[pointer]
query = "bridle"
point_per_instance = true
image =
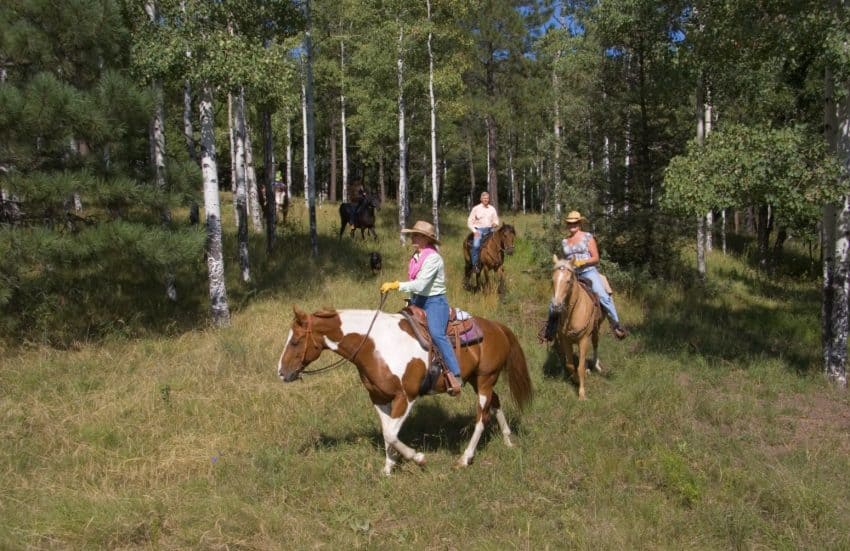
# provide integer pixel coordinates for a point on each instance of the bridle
(343, 359)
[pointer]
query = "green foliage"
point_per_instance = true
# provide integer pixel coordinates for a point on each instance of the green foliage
(739, 166)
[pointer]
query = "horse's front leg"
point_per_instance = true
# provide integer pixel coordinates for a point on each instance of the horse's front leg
(596, 365)
(481, 418)
(582, 365)
(501, 273)
(390, 427)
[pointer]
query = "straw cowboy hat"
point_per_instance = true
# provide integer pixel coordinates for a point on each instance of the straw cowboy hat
(574, 216)
(423, 228)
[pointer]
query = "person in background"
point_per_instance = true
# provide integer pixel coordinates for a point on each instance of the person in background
(580, 247)
(427, 285)
(482, 220)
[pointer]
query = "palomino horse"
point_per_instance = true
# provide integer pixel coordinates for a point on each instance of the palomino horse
(491, 258)
(579, 319)
(392, 366)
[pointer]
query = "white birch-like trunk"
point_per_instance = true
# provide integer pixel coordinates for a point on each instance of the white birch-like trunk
(270, 169)
(251, 187)
(835, 242)
(402, 139)
(309, 131)
(241, 196)
(701, 222)
(215, 259)
(709, 216)
(343, 123)
(382, 183)
(289, 160)
(231, 134)
(435, 176)
(556, 162)
(188, 129)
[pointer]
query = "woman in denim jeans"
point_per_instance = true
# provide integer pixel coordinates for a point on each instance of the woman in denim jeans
(580, 247)
(427, 286)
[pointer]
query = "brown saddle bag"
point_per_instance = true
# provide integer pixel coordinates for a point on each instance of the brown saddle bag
(464, 332)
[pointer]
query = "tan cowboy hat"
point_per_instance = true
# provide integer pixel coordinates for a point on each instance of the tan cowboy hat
(574, 216)
(423, 228)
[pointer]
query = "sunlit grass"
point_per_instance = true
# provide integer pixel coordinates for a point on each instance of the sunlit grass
(711, 427)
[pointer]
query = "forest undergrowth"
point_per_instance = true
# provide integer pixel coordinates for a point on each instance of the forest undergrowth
(711, 427)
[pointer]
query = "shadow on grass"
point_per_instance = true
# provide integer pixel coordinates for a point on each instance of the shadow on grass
(737, 316)
(429, 428)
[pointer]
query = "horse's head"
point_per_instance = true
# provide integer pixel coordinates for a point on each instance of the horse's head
(563, 276)
(373, 200)
(508, 235)
(303, 346)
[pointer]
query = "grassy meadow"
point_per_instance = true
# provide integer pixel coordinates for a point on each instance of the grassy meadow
(712, 427)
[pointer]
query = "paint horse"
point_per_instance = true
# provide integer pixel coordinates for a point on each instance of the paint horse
(392, 366)
(491, 257)
(361, 215)
(578, 322)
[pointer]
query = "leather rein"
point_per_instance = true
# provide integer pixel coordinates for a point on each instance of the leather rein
(343, 359)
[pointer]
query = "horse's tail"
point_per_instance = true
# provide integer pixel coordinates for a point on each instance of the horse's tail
(519, 380)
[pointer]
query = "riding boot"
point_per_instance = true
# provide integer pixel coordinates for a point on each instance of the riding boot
(547, 332)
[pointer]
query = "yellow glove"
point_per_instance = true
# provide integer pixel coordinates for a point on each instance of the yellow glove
(389, 286)
(579, 263)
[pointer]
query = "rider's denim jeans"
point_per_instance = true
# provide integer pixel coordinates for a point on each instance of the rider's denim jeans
(437, 310)
(476, 243)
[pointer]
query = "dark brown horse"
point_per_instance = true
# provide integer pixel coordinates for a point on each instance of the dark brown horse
(361, 215)
(579, 319)
(491, 258)
(392, 366)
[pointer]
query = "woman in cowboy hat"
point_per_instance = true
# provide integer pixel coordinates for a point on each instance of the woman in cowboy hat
(427, 286)
(580, 247)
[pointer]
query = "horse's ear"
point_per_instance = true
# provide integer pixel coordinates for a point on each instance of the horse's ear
(554, 259)
(300, 315)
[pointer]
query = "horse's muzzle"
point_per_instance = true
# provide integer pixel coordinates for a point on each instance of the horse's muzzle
(289, 377)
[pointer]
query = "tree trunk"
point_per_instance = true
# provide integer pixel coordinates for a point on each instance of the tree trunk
(435, 175)
(514, 182)
(188, 130)
(309, 131)
(702, 227)
(471, 173)
(836, 242)
(288, 160)
(231, 132)
(343, 126)
(403, 206)
(269, 172)
(382, 184)
(215, 261)
(332, 183)
(250, 171)
(241, 196)
(556, 157)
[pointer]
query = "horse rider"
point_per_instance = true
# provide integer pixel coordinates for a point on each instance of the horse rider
(359, 203)
(580, 247)
(482, 220)
(427, 286)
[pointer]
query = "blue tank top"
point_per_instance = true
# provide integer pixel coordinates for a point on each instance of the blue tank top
(579, 251)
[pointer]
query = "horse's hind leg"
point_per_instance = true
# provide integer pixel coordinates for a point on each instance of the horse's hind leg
(596, 365)
(390, 426)
(496, 408)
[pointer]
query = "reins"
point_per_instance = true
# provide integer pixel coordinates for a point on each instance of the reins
(354, 355)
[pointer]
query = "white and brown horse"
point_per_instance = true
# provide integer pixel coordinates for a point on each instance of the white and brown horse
(579, 319)
(392, 366)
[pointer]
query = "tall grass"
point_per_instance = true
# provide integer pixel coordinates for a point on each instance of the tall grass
(711, 427)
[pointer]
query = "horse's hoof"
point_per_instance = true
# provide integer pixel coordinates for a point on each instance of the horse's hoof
(463, 463)
(509, 441)
(419, 459)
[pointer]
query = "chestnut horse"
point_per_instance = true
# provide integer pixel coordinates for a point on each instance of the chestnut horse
(491, 258)
(579, 319)
(392, 366)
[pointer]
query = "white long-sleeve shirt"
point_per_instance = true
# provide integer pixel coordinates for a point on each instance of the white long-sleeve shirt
(482, 217)
(430, 281)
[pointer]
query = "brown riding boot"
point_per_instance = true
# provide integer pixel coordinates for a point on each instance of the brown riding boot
(453, 384)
